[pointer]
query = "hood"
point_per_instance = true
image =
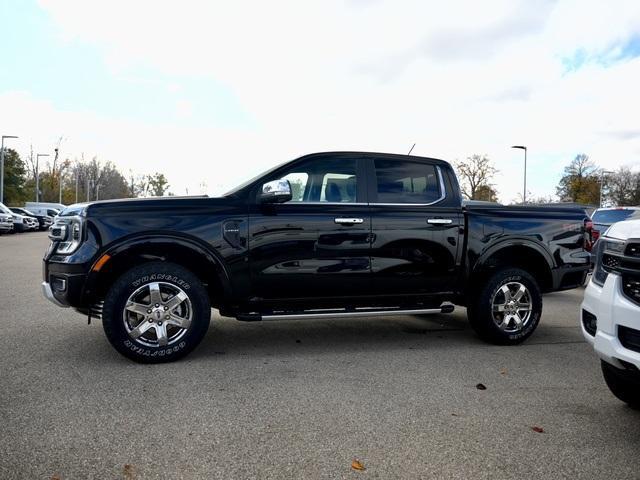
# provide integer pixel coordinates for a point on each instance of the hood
(149, 205)
(624, 230)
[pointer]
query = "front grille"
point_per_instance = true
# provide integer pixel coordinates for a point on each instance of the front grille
(610, 262)
(631, 287)
(590, 322)
(629, 338)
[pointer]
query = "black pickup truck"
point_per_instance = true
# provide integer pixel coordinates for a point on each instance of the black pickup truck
(327, 235)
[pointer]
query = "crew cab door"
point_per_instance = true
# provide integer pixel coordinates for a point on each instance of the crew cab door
(415, 228)
(315, 246)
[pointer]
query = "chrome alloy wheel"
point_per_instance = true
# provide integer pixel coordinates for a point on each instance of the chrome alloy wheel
(512, 307)
(157, 314)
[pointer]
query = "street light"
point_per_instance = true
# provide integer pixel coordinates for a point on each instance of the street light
(38, 155)
(2, 166)
(524, 193)
(60, 183)
(602, 174)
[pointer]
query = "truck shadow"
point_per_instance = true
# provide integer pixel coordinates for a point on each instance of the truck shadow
(295, 337)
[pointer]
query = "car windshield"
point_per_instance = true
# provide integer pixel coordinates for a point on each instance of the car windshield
(4, 209)
(251, 180)
(612, 216)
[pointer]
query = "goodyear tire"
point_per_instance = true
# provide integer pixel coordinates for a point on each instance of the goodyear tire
(506, 308)
(156, 312)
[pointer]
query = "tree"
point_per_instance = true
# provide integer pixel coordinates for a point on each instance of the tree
(486, 193)
(15, 177)
(155, 185)
(623, 187)
(475, 172)
(580, 182)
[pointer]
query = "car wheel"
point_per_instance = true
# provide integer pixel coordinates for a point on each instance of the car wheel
(156, 312)
(622, 384)
(506, 308)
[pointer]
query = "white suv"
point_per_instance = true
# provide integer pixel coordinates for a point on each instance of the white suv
(610, 314)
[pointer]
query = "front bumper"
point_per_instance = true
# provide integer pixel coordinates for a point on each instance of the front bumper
(48, 294)
(612, 310)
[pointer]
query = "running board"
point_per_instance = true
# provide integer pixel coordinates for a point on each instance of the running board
(358, 312)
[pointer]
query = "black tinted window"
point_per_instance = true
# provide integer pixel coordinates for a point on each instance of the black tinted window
(406, 182)
(324, 180)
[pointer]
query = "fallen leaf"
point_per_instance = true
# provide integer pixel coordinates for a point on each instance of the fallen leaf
(538, 429)
(503, 371)
(481, 386)
(55, 477)
(128, 472)
(357, 465)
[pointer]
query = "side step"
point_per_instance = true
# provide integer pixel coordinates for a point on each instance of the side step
(446, 307)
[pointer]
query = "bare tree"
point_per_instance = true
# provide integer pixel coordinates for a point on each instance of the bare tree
(475, 172)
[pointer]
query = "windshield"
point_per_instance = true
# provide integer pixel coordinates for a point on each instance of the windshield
(253, 179)
(5, 209)
(613, 216)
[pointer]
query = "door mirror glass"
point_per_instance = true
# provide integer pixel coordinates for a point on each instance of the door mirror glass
(276, 191)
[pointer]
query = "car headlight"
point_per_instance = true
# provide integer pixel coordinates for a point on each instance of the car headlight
(67, 234)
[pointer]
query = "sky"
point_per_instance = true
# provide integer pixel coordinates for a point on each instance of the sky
(211, 93)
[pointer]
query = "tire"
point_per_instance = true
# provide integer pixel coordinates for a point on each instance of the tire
(514, 323)
(622, 384)
(156, 312)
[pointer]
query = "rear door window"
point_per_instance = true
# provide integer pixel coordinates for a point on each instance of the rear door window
(400, 181)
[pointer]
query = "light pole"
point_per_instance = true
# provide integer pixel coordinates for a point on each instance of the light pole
(602, 174)
(2, 166)
(38, 155)
(60, 184)
(524, 193)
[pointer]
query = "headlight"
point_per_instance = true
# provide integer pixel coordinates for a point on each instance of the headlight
(66, 233)
(599, 275)
(614, 246)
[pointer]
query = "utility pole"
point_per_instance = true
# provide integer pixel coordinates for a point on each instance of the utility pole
(2, 166)
(602, 174)
(524, 193)
(87, 188)
(60, 184)
(38, 155)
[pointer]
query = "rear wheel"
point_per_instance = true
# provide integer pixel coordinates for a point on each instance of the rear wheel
(623, 385)
(156, 312)
(506, 308)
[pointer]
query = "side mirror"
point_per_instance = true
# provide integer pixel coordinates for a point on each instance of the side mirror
(276, 191)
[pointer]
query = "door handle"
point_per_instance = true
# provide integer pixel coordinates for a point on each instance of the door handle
(439, 221)
(348, 221)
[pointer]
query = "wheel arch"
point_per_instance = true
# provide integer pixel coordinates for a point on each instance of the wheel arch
(189, 253)
(525, 254)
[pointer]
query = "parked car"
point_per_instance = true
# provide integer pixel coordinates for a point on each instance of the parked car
(48, 211)
(610, 314)
(41, 207)
(328, 235)
(44, 221)
(21, 223)
(603, 218)
(6, 223)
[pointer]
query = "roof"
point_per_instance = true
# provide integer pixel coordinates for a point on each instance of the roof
(386, 156)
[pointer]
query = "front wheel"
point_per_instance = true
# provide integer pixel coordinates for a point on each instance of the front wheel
(156, 312)
(625, 386)
(506, 308)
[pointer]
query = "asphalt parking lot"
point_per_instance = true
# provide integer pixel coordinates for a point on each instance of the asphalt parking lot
(301, 399)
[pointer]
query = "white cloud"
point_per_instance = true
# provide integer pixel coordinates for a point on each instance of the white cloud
(457, 78)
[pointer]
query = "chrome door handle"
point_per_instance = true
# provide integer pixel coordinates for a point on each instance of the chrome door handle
(439, 221)
(348, 221)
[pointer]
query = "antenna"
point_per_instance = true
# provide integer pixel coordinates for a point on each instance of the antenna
(411, 149)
